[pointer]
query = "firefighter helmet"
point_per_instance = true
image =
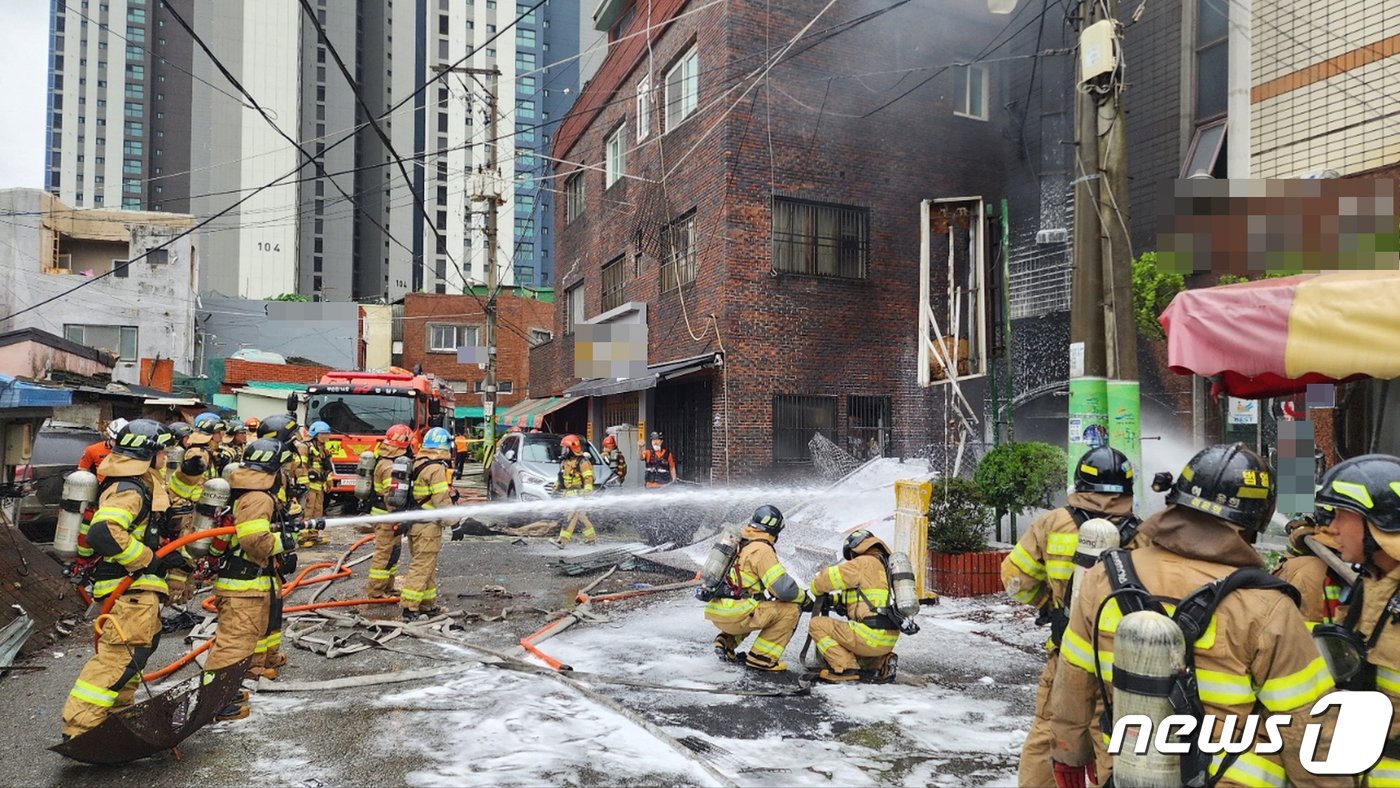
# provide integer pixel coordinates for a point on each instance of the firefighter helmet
(208, 423)
(113, 427)
(318, 428)
(767, 518)
(437, 439)
(572, 443)
(1368, 485)
(281, 427)
(180, 430)
(860, 542)
(141, 439)
(1228, 481)
(264, 455)
(1105, 470)
(398, 436)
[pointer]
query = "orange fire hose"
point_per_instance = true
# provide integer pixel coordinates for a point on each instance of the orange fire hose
(164, 550)
(528, 642)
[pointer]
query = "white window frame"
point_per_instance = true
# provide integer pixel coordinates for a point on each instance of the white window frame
(80, 336)
(459, 332)
(573, 313)
(644, 108)
(615, 157)
(539, 336)
(964, 109)
(689, 83)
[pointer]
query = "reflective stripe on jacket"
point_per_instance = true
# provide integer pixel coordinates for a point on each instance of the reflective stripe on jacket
(575, 475)
(862, 586)
(756, 570)
(246, 571)
(118, 536)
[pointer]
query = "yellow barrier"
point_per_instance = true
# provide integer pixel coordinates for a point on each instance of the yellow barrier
(911, 528)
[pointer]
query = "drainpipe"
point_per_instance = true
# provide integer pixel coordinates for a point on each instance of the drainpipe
(1237, 126)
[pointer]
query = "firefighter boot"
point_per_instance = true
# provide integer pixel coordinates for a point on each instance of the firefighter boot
(833, 677)
(879, 670)
(724, 647)
(236, 710)
(763, 662)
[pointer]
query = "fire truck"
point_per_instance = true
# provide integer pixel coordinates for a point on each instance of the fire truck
(361, 406)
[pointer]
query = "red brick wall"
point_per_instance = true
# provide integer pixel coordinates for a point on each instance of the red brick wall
(516, 317)
(238, 373)
(788, 334)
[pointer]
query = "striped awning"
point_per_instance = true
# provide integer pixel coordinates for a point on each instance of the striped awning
(530, 413)
(1273, 337)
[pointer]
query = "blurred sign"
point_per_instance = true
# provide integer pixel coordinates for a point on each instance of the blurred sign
(1243, 411)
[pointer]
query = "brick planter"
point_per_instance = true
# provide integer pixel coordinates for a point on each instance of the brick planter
(966, 574)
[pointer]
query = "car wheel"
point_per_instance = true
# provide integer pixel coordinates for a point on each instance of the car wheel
(490, 489)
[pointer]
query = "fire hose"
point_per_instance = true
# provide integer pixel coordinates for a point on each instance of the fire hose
(531, 642)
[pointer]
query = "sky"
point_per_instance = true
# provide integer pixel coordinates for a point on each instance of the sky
(24, 49)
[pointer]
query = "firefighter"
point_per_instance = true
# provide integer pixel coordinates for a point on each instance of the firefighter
(232, 450)
(862, 648)
(1039, 570)
(95, 453)
(315, 458)
(1256, 655)
(186, 482)
(247, 580)
(1359, 500)
(575, 479)
(764, 598)
(385, 562)
(121, 533)
(659, 462)
(614, 458)
(282, 427)
(428, 489)
(1318, 584)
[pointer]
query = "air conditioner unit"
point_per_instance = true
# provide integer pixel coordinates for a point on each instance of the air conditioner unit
(1057, 235)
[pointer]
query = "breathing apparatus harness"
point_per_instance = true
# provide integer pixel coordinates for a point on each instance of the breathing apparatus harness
(101, 569)
(234, 566)
(1058, 617)
(1193, 615)
(887, 617)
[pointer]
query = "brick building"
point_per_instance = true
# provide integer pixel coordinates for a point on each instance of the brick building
(785, 203)
(434, 326)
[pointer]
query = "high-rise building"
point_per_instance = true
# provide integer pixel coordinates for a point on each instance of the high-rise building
(179, 137)
(119, 87)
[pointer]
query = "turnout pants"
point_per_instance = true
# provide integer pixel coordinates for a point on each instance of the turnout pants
(242, 625)
(1035, 768)
(845, 649)
(775, 622)
(315, 504)
(384, 565)
(420, 586)
(108, 681)
(575, 517)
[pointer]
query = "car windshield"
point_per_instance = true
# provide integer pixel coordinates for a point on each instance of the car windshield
(545, 448)
(360, 414)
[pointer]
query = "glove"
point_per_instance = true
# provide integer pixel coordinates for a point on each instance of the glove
(289, 542)
(807, 603)
(297, 490)
(1162, 482)
(1067, 776)
(454, 495)
(165, 563)
(1297, 530)
(314, 476)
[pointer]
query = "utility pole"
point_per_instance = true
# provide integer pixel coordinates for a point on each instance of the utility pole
(485, 188)
(1088, 382)
(1124, 394)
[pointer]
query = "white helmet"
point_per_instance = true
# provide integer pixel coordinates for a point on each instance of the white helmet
(113, 427)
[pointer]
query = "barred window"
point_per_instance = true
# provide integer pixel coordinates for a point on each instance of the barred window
(820, 239)
(678, 264)
(614, 277)
(796, 419)
(868, 426)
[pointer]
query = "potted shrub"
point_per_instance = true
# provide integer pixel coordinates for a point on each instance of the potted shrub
(1014, 477)
(959, 562)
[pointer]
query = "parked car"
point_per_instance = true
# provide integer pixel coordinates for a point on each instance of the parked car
(57, 450)
(525, 467)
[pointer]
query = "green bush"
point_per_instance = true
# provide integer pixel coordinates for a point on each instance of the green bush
(957, 517)
(1014, 477)
(1153, 290)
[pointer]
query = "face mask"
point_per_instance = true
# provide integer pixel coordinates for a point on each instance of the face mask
(656, 447)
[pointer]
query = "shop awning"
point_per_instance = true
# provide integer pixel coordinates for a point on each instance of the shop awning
(1273, 337)
(530, 413)
(656, 373)
(468, 412)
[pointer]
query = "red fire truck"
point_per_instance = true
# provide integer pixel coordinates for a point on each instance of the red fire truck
(360, 406)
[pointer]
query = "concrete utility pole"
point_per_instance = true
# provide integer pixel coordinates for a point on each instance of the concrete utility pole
(1124, 395)
(486, 188)
(1088, 384)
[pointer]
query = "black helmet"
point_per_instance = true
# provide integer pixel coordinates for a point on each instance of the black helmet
(141, 439)
(282, 427)
(263, 454)
(180, 430)
(656, 436)
(1229, 482)
(860, 542)
(1368, 485)
(1104, 469)
(767, 518)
